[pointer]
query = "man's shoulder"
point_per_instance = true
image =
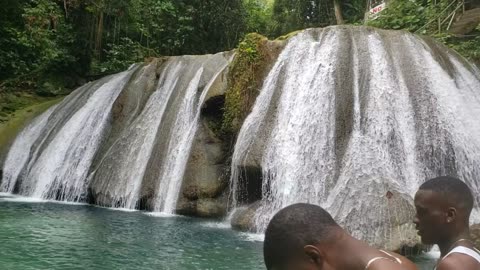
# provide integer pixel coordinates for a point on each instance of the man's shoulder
(458, 261)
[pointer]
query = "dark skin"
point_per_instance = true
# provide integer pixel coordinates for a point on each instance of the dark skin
(343, 253)
(442, 222)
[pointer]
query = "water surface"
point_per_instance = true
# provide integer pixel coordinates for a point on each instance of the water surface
(47, 235)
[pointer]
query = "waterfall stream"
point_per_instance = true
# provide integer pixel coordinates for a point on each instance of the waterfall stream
(114, 142)
(354, 120)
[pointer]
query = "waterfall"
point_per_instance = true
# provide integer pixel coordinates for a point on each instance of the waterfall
(186, 125)
(144, 167)
(122, 169)
(355, 119)
(123, 141)
(61, 168)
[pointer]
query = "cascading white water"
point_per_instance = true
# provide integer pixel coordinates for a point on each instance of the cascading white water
(123, 141)
(123, 167)
(354, 120)
(178, 149)
(144, 167)
(62, 167)
(64, 143)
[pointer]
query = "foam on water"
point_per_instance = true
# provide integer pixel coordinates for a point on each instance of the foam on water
(253, 237)
(162, 215)
(22, 199)
(217, 225)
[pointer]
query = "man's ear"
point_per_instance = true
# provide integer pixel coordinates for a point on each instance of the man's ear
(451, 214)
(314, 254)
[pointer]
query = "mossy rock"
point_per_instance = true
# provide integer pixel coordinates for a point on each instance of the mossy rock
(253, 59)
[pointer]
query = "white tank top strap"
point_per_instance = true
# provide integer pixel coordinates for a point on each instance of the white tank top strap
(392, 258)
(474, 253)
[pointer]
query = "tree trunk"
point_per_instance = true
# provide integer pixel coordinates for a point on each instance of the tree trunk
(99, 35)
(338, 12)
(65, 7)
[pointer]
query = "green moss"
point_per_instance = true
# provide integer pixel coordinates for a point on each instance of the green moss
(12, 102)
(17, 120)
(244, 81)
(288, 36)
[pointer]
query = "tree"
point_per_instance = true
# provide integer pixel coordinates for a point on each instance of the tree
(338, 12)
(291, 15)
(259, 17)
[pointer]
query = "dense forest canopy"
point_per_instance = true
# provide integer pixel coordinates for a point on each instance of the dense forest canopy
(48, 45)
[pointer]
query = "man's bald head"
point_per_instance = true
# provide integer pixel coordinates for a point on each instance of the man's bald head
(293, 228)
(455, 191)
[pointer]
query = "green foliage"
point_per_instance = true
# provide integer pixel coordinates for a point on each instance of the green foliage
(468, 47)
(422, 17)
(12, 102)
(120, 56)
(292, 15)
(407, 15)
(38, 40)
(259, 17)
(97, 36)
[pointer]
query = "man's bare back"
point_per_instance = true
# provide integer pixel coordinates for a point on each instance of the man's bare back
(399, 263)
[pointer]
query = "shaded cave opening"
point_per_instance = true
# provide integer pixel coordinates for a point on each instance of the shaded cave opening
(250, 183)
(212, 113)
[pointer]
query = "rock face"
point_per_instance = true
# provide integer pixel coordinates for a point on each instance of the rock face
(203, 191)
(205, 181)
(475, 233)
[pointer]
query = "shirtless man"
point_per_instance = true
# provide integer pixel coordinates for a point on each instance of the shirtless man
(305, 237)
(443, 208)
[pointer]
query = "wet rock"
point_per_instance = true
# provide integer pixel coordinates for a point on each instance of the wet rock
(207, 208)
(186, 207)
(204, 175)
(242, 219)
(211, 208)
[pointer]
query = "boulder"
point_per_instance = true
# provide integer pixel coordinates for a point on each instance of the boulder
(243, 218)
